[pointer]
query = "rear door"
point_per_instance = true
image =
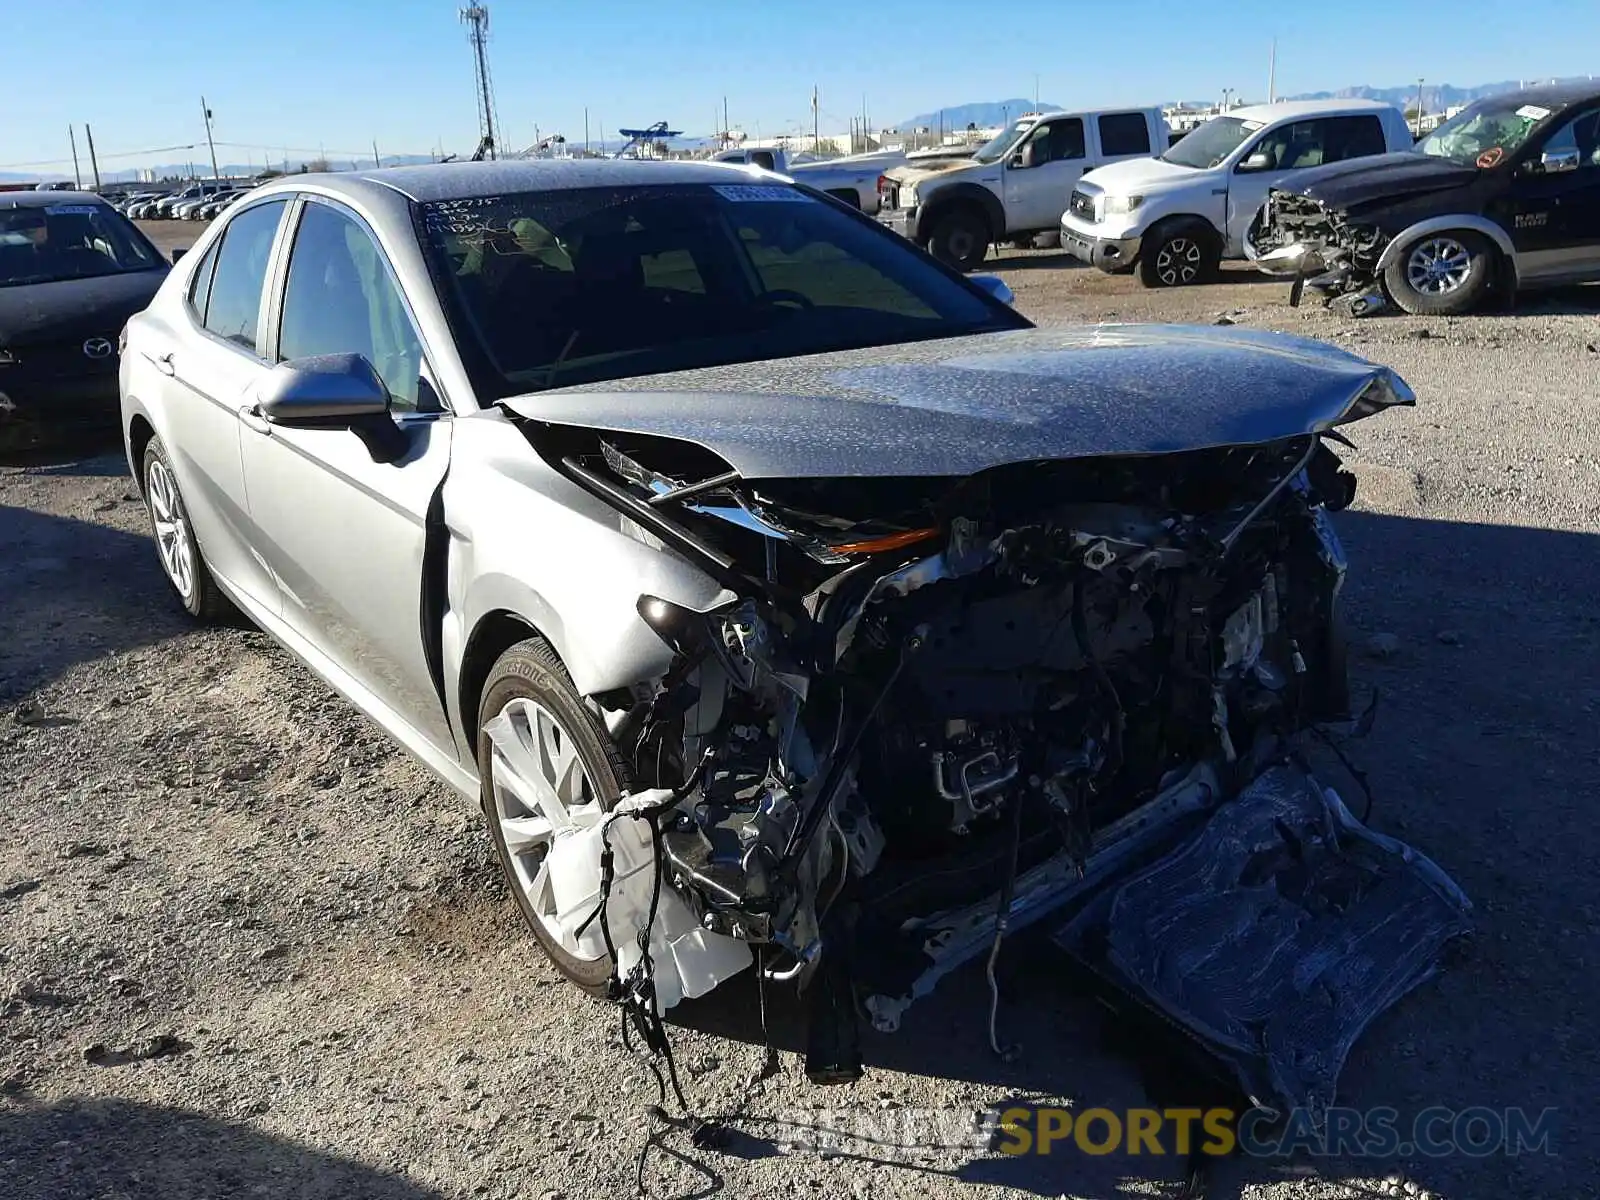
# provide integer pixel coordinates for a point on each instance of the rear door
(1287, 148)
(1036, 194)
(344, 535)
(210, 367)
(1554, 201)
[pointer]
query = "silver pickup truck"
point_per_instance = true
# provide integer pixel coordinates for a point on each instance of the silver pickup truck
(853, 178)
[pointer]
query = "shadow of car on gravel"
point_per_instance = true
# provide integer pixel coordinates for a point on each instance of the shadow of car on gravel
(73, 591)
(107, 1147)
(1482, 756)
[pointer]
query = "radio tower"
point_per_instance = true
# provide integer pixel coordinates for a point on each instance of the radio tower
(476, 17)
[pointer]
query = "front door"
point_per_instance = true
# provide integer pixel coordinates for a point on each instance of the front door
(1554, 204)
(345, 535)
(1041, 172)
(212, 363)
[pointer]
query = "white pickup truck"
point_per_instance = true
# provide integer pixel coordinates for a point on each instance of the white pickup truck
(852, 178)
(1016, 185)
(1175, 217)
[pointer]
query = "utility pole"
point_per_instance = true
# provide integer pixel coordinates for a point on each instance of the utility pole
(209, 142)
(1035, 91)
(816, 136)
(866, 141)
(1419, 106)
(586, 129)
(477, 17)
(726, 128)
(1272, 74)
(376, 161)
(93, 164)
(77, 175)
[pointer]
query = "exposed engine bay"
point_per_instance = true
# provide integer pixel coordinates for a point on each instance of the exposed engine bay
(1322, 249)
(928, 711)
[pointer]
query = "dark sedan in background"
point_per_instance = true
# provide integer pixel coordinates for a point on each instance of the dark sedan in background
(72, 271)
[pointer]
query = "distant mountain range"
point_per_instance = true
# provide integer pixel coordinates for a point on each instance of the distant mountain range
(1434, 98)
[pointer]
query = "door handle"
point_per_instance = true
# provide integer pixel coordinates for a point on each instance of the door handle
(253, 419)
(164, 364)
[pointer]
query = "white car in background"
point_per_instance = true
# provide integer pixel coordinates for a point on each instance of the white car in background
(1175, 217)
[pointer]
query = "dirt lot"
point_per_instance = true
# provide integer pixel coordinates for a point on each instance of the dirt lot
(248, 949)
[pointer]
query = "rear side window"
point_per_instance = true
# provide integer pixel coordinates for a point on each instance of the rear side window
(1124, 133)
(234, 303)
(1352, 137)
(200, 285)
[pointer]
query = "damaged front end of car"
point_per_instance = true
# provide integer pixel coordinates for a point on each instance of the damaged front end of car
(1300, 238)
(928, 711)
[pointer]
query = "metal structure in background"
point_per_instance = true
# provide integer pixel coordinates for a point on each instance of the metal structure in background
(211, 145)
(645, 140)
(476, 17)
(94, 164)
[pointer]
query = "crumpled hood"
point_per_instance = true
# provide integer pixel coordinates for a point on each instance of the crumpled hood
(912, 174)
(69, 308)
(1386, 177)
(1140, 175)
(956, 406)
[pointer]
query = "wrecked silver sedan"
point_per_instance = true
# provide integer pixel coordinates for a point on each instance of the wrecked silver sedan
(788, 602)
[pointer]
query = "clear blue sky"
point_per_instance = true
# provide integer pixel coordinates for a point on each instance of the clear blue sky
(304, 74)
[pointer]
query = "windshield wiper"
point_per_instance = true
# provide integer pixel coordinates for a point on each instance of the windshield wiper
(550, 371)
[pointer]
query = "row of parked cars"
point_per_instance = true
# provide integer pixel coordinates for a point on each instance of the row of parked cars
(1335, 195)
(197, 202)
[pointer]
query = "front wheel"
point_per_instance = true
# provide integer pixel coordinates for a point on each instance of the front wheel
(1178, 259)
(544, 762)
(960, 240)
(1441, 274)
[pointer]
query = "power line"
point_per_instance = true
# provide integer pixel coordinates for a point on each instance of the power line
(54, 162)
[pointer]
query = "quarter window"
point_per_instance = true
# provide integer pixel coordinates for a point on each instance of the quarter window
(200, 285)
(341, 299)
(1124, 133)
(233, 304)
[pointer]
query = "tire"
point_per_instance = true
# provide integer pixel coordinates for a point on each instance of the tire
(530, 673)
(1442, 274)
(960, 239)
(1179, 257)
(177, 549)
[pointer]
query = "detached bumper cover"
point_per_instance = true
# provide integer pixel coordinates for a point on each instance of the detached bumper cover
(1276, 935)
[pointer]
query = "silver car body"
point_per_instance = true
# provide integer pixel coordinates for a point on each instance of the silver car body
(400, 582)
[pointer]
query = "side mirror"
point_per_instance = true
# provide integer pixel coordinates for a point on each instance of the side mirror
(178, 252)
(1256, 162)
(327, 390)
(1558, 162)
(995, 286)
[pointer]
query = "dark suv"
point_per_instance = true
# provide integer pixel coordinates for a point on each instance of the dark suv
(1504, 195)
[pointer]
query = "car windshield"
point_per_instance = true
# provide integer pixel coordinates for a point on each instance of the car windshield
(545, 289)
(1208, 144)
(1486, 132)
(994, 149)
(69, 241)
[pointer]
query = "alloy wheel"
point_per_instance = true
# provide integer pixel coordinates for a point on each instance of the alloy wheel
(173, 542)
(1178, 261)
(540, 787)
(1438, 266)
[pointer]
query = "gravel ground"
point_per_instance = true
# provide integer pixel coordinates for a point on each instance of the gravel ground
(247, 948)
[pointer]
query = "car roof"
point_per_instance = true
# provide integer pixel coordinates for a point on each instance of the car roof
(48, 199)
(1305, 108)
(1552, 95)
(430, 182)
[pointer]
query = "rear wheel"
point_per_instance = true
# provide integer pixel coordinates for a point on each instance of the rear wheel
(176, 545)
(1441, 274)
(1178, 258)
(960, 239)
(544, 761)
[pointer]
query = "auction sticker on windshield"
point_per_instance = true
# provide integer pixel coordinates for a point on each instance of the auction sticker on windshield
(60, 210)
(745, 192)
(1533, 112)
